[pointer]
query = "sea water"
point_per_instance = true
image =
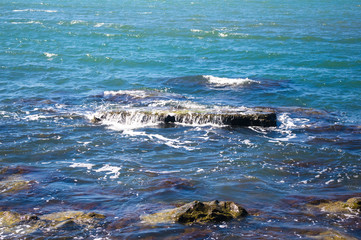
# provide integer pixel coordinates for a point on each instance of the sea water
(62, 63)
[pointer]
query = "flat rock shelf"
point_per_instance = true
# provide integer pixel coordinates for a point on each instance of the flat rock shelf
(240, 119)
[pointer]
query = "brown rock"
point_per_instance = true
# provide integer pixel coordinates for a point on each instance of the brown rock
(198, 212)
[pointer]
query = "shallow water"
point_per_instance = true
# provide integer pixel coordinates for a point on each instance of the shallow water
(62, 64)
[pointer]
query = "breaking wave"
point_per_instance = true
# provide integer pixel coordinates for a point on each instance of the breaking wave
(222, 82)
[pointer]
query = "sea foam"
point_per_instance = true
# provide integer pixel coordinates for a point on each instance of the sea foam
(35, 10)
(222, 82)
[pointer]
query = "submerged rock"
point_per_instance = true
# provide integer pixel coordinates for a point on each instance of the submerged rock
(169, 183)
(9, 218)
(198, 212)
(11, 222)
(16, 223)
(242, 119)
(331, 235)
(77, 217)
(352, 204)
(13, 184)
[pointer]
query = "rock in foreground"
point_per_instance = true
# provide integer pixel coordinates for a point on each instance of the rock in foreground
(15, 223)
(198, 212)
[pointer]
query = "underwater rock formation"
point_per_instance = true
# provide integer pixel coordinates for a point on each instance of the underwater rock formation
(11, 222)
(76, 217)
(352, 204)
(13, 183)
(330, 235)
(198, 212)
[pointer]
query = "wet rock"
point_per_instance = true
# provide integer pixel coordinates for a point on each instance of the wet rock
(11, 222)
(8, 218)
(78, 217)
(242, 119)
(13, 184)
(331, 235)
(198, 212)
(352, 204)
(20, 224)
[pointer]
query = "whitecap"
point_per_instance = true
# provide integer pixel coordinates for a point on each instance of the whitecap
(196, 30)
(99, 25)
(28, 22)
(50, 55)
(84, 165)
(35, 10)
(222, 82)
(132, 93)
(36, 117)
(330, 181)
(76, 22)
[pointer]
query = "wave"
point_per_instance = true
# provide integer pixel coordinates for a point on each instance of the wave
(131, 93)
(35, 10)
(28, 22)
(50, 55)
(222, 82)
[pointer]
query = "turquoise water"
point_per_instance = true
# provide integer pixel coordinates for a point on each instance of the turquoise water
(64, 63)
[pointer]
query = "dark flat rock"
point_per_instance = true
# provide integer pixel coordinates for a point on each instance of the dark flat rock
(240, 119)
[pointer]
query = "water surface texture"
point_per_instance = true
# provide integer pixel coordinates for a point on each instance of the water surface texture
(65, 63)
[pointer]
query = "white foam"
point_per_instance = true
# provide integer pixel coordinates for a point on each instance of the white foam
(178, 105)
(248, 142)
(330, 181)
(99, 25)
(196, 30)
(50, 55)
(162, 172)
(35, 117)
(174, 143)
(110, 170)
(133, 93)
(76, 22)
(35, 10)
(84, 165)
(291, 123)
(28, 22)
(219, 81)
(288, 124)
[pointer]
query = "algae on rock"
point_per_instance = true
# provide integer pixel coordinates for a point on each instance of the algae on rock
(13, 183)
(352, 204)
(11, 222)
(331, 235)
(16, 223)
(198, 212)
(78, 217)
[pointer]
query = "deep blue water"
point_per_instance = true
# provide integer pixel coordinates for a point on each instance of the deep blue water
(62, 63)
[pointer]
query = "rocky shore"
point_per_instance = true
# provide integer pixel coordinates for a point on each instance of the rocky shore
(192, 214)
